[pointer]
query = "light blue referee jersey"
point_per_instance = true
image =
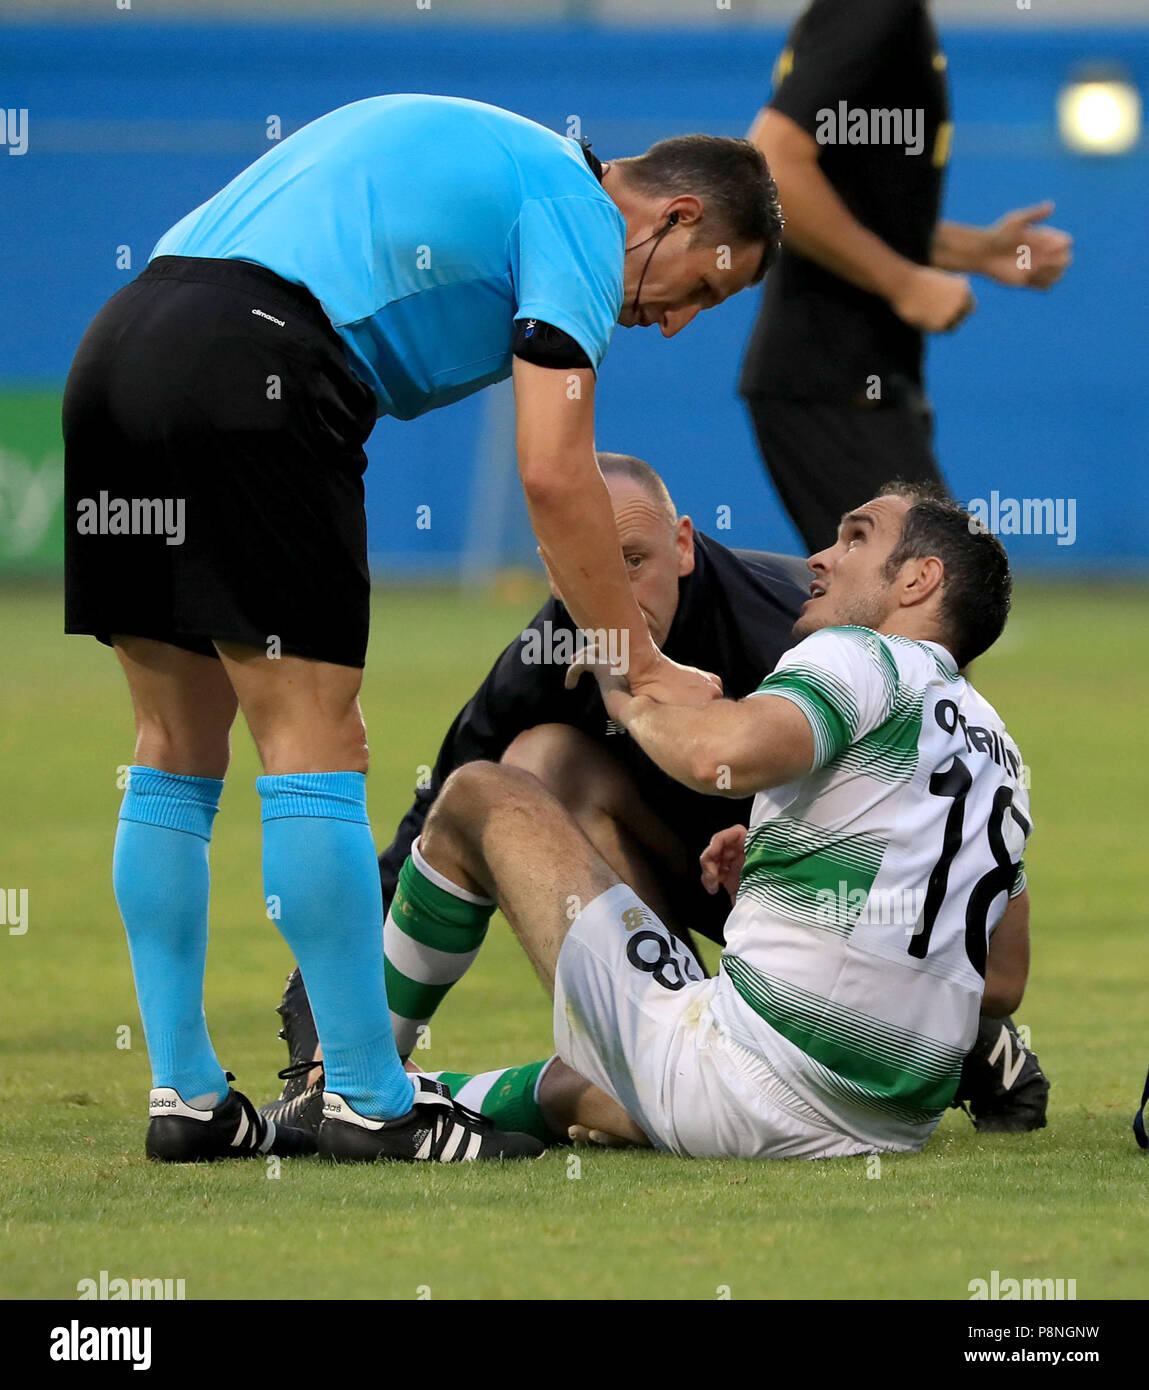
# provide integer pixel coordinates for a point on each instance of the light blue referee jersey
(425, 226)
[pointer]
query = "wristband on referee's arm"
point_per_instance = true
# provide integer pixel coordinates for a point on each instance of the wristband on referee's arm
(547, 346)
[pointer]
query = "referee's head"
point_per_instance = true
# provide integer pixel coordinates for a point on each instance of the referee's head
(703, 222)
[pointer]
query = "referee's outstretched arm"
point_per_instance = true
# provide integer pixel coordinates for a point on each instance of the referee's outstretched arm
(570, 513)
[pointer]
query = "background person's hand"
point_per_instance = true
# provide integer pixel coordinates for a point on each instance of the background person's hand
(722, 860)
(1049, 252)
(934, 301)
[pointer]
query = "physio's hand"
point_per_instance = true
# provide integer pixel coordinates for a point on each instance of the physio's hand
(932, 300)
(722, 860)
(1022, 254)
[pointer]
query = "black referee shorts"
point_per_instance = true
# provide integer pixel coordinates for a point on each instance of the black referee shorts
(826, 458)
(213, 458)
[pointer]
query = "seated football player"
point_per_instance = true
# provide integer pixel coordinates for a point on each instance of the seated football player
(725, 611)
(881, 895)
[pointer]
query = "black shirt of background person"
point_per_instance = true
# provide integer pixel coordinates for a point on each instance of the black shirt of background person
(817, 337)
(735, 613)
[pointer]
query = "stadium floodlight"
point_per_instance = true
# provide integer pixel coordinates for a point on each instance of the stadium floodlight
(1099, 112)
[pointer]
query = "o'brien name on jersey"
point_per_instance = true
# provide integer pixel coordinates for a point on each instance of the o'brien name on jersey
(981, 740)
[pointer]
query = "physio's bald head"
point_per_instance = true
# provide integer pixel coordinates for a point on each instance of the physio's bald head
(627, 466)
(657, 544)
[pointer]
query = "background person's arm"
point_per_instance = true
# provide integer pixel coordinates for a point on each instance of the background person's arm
(1014, 251)
(821, 227)
(573, 522)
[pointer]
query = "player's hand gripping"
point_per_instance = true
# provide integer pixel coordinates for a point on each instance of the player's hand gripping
(722, 860)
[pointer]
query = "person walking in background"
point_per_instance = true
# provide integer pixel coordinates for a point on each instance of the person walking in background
(857, 135)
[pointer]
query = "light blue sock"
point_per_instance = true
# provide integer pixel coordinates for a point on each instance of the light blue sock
(160, 875)
(321, 877)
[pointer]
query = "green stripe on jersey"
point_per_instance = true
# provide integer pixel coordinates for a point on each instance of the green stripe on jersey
(806, 874)
(894, 1067)
(827, 703)
(890, 752)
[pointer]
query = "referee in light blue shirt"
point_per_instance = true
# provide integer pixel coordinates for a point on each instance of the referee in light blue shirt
(390, 258)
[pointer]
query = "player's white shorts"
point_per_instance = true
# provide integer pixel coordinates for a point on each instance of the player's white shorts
(633, 1014)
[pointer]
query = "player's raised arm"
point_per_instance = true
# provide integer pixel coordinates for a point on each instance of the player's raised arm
(730, 748)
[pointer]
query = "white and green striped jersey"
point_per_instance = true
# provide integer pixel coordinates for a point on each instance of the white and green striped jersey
(855, 953)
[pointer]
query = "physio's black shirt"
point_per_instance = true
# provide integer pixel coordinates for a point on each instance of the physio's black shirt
(735, 613)
(818, 337)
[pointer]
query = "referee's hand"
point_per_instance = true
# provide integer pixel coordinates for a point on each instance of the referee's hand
(671, 684)
(665, 681)
(934, 301)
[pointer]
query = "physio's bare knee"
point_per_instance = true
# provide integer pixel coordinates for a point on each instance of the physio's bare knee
(575, 769)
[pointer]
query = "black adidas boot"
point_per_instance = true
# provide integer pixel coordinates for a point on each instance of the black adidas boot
(177, 1133)
(300, 1104)
(437, 1129)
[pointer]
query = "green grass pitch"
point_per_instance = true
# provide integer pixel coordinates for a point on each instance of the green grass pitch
(78, 1197)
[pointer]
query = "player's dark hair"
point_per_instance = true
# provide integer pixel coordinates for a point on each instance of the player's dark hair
(640, 472)
(976, 587)
(730, 176)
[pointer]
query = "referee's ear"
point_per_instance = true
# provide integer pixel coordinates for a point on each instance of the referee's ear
(684, 543)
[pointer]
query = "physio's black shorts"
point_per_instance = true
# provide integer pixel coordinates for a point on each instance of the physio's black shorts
(213, 447)
(826, 458)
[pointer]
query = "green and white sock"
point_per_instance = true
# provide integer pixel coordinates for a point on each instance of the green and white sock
(432, 934)
(509, 1097)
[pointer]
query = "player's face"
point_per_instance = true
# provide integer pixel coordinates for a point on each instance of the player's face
(656, 554)
(849, 585)
(683, 279)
